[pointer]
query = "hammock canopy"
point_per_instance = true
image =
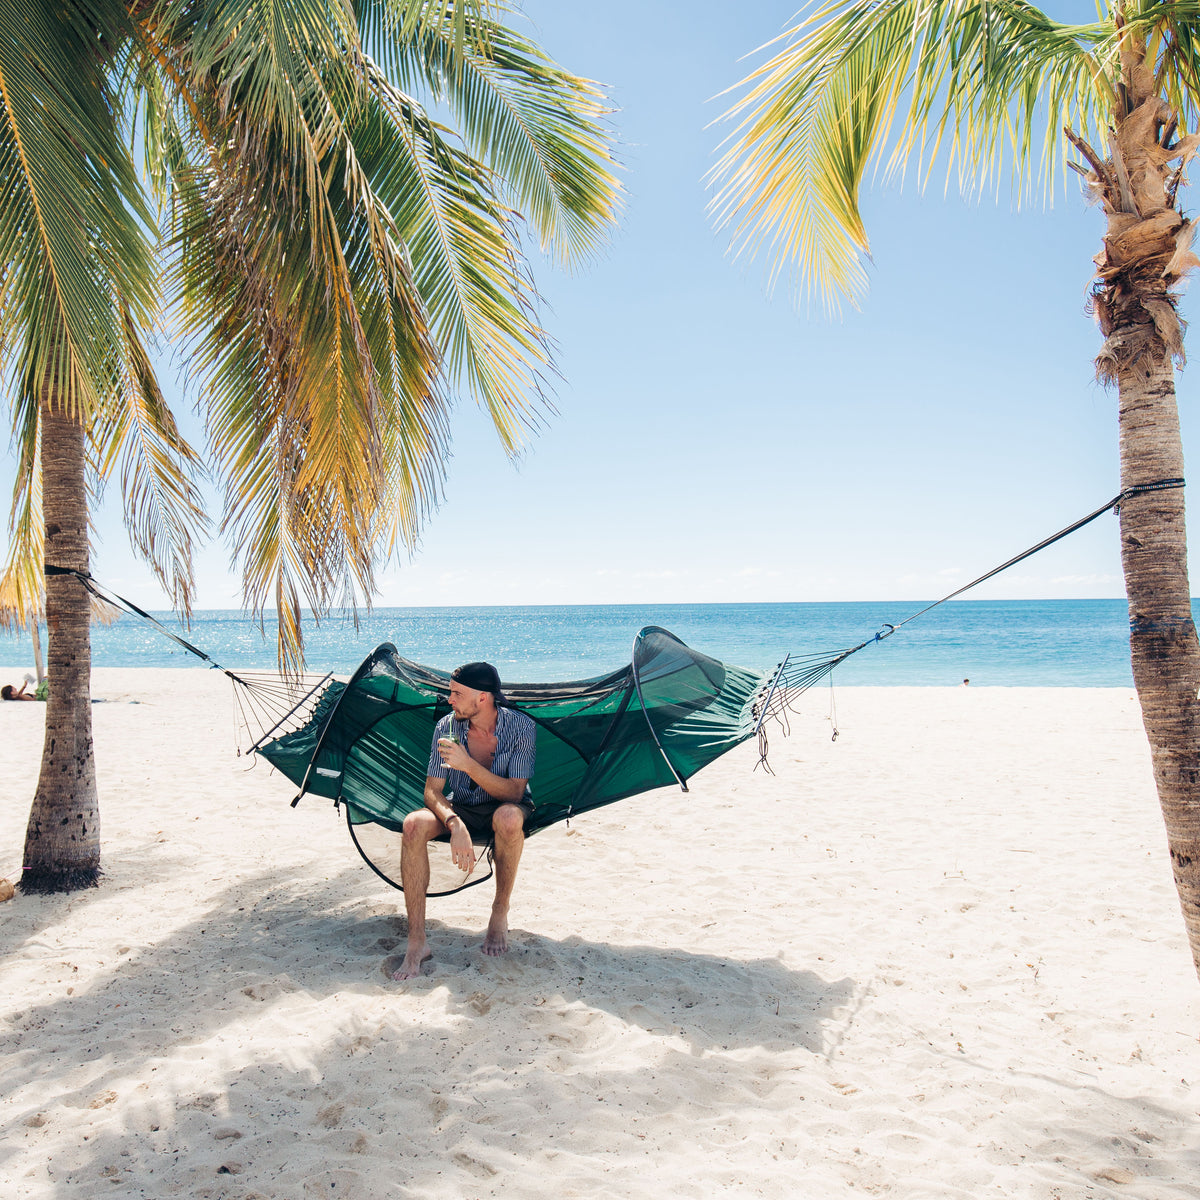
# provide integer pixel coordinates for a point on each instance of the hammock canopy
(652, 723)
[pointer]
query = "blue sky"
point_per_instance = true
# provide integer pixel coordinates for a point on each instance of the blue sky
(714, 443)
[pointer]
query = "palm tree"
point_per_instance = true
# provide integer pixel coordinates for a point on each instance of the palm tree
(336, 260)
(996, 85)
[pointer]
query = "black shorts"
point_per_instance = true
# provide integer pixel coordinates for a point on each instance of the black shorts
(478, 817)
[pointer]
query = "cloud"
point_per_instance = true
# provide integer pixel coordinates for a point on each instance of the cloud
(757, 573)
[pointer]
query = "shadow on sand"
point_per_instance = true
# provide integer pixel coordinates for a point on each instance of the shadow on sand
(566, 1058)
(547, 1010)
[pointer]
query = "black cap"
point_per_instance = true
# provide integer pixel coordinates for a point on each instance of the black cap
(481, 676)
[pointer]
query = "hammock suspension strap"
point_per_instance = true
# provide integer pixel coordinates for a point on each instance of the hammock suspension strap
(265, 700)
(798, 672)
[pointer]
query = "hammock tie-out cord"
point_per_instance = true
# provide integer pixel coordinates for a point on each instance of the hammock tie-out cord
(798, 672)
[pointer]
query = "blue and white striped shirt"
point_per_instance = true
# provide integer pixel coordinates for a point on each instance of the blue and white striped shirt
(514, 757)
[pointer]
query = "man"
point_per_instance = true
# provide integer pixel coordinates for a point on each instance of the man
(480, 765)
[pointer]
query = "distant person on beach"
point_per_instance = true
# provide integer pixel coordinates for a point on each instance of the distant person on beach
(966, 683)
(477, 782)
(8, 692)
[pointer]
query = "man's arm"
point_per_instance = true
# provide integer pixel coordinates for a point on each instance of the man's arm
(461, 850)
(455, 757)
(435, 799)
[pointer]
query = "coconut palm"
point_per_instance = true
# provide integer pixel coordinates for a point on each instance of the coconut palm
(338, 262)
(995, 85)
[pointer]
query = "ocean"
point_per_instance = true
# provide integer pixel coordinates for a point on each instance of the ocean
(1007, 643)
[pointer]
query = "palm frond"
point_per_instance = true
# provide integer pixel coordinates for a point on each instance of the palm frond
(22, 585)
(393, 24)
(310, 363)
(341, 261)
(987, 83)
(1172, 33)
(463, 250)
(73, 223)
(164, 511)
(540, 130)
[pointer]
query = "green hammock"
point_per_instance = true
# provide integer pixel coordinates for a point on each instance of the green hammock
(366, 743)
(652, 723)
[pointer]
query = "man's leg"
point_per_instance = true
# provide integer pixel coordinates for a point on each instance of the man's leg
(508, 824)
(420, 828)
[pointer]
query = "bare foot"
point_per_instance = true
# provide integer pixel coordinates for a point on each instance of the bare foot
(414, 960)
(495, 941)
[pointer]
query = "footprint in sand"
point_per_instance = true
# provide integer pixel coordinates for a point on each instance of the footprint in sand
(330, 1116)
(394, 962)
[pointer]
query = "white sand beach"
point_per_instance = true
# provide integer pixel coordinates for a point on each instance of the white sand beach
(939, 957)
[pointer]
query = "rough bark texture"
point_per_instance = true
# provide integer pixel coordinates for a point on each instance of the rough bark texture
(62, 842)
(1146, 252)
(1162, 637)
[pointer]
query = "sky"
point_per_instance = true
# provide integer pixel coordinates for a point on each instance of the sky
(715, 443)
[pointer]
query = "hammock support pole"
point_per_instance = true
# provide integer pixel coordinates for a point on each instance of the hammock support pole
(637, 683)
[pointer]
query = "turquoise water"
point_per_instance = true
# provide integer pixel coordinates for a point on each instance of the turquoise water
(1033, 643)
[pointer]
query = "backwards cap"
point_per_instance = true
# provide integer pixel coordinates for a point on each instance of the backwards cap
(482, 677)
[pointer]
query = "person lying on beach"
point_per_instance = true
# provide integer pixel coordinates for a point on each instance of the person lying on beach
(480, 765)
(8, 692)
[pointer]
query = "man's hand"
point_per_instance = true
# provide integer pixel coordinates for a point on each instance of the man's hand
(462, 852)
(454, 755)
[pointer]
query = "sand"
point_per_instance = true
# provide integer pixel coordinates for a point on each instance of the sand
(939, 957)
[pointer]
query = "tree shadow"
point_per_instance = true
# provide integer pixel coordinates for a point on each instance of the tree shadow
(292, 1066)
(1103, 1138)
(707, 1001)
(547, 1010)
(266, 935)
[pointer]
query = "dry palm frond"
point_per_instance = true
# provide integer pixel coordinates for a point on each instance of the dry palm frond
(22, 589)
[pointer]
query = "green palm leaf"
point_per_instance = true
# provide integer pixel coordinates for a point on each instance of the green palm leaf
(73, 226)
(314, 356)
(339, 263)
(136, 432)
(460, 240)
(539, 128)
(987, 84)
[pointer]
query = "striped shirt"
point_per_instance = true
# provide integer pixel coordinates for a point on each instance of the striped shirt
(513, 759)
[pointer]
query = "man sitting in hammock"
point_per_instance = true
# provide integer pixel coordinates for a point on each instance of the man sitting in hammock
(480, 765)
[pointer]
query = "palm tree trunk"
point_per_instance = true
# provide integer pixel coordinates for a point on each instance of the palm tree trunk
(62, 842)
(35, 635)
(1144, 257)
(1162, 636)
